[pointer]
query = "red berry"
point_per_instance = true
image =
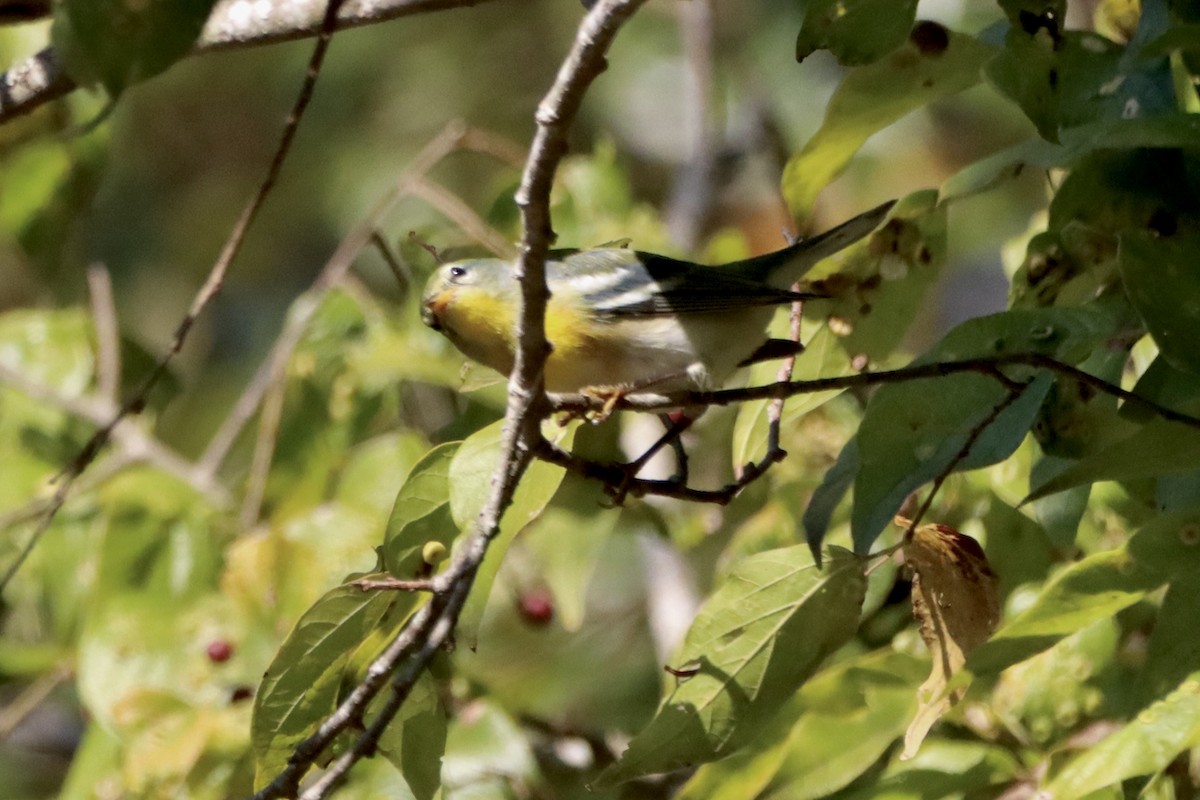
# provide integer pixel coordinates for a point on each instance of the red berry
(219, 651)
(536, 606)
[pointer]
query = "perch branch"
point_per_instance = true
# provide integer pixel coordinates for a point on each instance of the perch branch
(430, 628)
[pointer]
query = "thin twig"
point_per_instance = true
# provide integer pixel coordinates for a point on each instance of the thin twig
(304, 309)
(212, 285)
(430, 628)
(961, 455)
(463, 216)
(399, 268)
(989, 366)
(396, 585)
(499, 147)
(264, 445)
(32, 696)
(619, 483)
(108, 341)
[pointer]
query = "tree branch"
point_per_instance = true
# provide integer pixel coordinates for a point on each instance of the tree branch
(430, 628)
(232, 24)
(989, 366)
(619, 482)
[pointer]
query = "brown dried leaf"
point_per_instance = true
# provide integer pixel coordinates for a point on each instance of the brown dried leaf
(956, 598)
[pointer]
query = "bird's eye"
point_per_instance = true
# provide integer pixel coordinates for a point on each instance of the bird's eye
(458, 273)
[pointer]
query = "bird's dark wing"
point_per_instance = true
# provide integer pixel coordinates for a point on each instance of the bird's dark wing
(623, 283)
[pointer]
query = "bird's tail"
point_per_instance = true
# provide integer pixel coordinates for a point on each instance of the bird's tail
(784, 267)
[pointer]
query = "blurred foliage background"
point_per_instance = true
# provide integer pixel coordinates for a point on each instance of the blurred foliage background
(135, 637)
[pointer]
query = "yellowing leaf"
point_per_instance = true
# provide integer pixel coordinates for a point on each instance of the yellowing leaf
(956, 598)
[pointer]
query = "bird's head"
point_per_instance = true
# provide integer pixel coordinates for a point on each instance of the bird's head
(473, 303)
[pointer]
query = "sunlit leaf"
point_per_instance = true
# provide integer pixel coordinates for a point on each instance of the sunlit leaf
(871, 98)
(1147, 744)
(416, 739)
(1094, 588)
(470, 478)
(755, 641)
(421, 513)
(300, 688)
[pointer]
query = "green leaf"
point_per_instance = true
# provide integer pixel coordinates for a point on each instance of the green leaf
(470, 478)
(1144, 746)
(1162, 281)
(415, 740)
(1174, 650)
(755, 641)
(1073, 78)
(825, 736)
(300, 688)
(1017, 547)
(1059, 514)
(855, 31)
(119, 43)
(1158, 448)
(421, 513)
(826, 497)
(1163, 131)
(869, 99)
(865, 705)
(943, 769)
(1094, 588)
(912, 431)
(1026, 70)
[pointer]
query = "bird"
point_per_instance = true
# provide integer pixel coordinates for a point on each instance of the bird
(620, 320)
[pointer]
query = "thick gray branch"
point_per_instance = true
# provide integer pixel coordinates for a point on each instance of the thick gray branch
(234, 23)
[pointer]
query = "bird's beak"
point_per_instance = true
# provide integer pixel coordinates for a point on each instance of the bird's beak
(431, 308)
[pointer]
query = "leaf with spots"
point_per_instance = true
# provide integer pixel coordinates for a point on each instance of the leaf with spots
(872, 97)
(857, 31)
(956, 599)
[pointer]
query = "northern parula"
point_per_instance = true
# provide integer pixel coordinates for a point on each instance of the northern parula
(625, 320)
